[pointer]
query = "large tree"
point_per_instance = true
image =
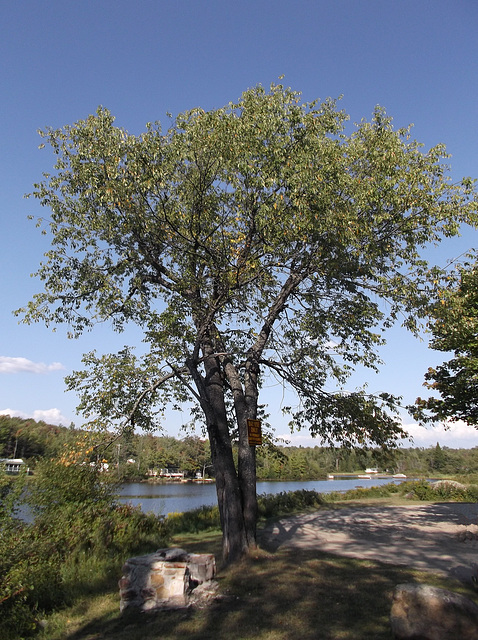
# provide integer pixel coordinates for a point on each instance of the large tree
(454, 328)
(257, 239)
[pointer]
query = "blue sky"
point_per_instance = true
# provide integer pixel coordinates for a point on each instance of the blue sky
(142, 59)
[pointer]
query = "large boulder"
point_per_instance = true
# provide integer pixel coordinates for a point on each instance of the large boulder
(423, 612)
(449, 485)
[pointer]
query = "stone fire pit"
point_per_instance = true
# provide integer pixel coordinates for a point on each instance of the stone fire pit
(165, 579)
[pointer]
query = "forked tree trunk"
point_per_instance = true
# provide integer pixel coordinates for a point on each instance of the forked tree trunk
(234, 539)
(211, 391)
(245, 405)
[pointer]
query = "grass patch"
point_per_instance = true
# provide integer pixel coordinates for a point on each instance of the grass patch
(287, 595)
(201, 519)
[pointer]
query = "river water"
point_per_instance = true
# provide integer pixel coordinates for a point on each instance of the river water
(171, 497)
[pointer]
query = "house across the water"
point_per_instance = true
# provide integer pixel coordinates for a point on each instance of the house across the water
(169, 474)
(12, 465)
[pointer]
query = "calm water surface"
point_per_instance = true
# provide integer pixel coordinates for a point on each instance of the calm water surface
(162, 499)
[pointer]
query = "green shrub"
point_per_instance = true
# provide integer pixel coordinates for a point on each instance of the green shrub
(80, 535)
(278, 504)
(472, 492)
(443, 490)
(201, 519)
(418, 490)
(413, 490)
(21, 566)
(130, 529)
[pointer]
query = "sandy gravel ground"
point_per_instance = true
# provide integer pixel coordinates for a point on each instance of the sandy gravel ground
(439, 537)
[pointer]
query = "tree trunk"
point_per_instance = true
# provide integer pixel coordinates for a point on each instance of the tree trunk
(211, 393)
(234, 540)
(247, 483)
(247, 454)
(245, 405)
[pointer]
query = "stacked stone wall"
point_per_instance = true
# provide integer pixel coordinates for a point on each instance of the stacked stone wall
(164, 579)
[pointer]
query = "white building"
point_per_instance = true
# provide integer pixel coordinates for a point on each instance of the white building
(12, 465)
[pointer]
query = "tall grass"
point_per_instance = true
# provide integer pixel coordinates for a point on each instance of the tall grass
(412, 490)
(269, 505)
(284, 503)
(201, 519)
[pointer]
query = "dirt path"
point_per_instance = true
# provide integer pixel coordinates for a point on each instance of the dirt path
(434, 537)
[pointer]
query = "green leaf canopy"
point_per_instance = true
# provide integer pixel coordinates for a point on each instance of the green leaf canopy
(455, 329)
(262, 229)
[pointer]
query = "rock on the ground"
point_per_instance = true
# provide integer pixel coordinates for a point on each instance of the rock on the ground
(423, 612)
(448, 484)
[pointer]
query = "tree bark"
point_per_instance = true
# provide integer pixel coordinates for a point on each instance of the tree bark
(245, 406)
(234, 540)
(247, 457)
(211, 393)
(247, 482)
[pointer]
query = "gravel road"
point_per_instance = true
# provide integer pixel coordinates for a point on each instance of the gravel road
(442, 538)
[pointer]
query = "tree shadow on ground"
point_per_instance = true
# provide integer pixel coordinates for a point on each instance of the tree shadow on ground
(291, 594)
(424, 536)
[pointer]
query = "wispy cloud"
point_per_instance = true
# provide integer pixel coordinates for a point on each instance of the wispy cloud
(301, 439)
(22, 365)
(454, 434)
(50, 416)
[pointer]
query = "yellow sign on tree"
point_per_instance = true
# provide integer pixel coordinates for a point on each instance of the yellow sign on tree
(254, 432)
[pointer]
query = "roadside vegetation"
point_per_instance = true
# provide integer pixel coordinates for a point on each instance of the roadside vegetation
(76, 544)
(443, 490)
(59, 575)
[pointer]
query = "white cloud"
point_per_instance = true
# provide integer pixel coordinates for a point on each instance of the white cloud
(21, 365)
(50, 416)
(14, 413)
(299, 439)
(457, 435)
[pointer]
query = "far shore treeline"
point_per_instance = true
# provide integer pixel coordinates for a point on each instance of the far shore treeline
(133, 456)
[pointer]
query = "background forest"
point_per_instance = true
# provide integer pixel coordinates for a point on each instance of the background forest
(133, 455)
